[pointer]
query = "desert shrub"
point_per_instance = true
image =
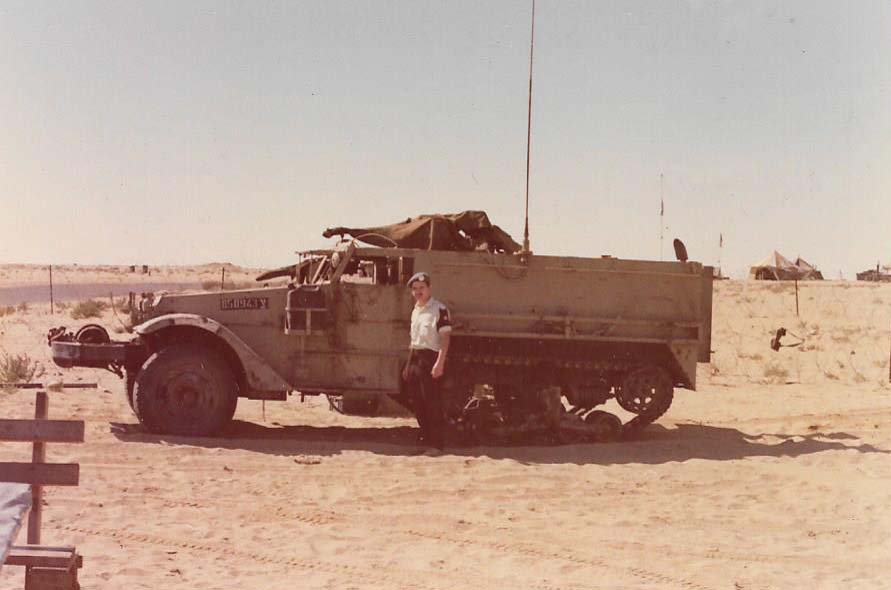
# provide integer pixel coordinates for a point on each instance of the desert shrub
(90, 308)
(840, 338)
(19, 368)
(227, 286)
(775, 373)
(22, 307)
(6, 310)
(122, 304)
(241, 285)
(62, 305)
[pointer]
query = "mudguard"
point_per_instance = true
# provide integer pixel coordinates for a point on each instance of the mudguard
(260, 376)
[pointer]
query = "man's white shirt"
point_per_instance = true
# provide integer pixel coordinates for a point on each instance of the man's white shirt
(428, 323)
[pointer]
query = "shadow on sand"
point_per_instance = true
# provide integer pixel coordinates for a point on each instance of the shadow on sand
(655, 445)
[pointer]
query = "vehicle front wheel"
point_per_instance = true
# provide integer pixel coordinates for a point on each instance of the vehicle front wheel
(185, 389)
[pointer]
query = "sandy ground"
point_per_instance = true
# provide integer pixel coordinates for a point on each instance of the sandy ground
(773, 475)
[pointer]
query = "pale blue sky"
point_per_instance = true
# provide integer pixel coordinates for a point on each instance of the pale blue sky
(189, 132)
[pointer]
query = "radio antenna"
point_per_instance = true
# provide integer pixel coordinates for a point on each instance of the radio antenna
(526, 249)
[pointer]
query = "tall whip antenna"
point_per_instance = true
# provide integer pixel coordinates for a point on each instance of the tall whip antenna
(661, 213)
(529, 133)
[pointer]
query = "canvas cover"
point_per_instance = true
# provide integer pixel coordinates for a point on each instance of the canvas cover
(468, 230)
(15, 501)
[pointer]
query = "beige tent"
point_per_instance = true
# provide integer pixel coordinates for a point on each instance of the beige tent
(777, 267)
(808, 271)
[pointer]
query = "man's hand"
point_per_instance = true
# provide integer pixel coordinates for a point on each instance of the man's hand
(405, 372)
(438, 370)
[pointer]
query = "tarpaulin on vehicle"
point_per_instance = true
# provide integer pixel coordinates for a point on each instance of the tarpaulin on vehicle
(468, 230)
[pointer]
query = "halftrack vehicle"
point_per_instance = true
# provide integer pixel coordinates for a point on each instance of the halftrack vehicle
(538, 342)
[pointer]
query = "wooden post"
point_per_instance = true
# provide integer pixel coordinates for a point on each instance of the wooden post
(38, 455)
(51, 288)
(796, 297)
(223, 280)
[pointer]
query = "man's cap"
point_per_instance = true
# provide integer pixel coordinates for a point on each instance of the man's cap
(419, 276)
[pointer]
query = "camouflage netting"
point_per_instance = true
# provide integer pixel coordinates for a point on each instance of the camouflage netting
(469, 230)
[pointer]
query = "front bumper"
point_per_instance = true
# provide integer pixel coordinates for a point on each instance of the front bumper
(78, 354)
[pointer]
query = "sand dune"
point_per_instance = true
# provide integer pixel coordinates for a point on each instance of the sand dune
(773, 475)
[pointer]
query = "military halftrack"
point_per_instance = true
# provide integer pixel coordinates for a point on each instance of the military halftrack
(539, 343)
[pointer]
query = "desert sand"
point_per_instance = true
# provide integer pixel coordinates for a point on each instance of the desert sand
(774, 474)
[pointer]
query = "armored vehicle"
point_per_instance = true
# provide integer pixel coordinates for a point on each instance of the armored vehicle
(538, 342)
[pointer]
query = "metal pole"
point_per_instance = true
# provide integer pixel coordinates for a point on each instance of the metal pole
(529, 133)
(661, 214)
(720, 252)
(51, 288)
(38, 455)
(223, 280)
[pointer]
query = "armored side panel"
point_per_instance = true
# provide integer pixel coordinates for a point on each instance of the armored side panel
(600, 314)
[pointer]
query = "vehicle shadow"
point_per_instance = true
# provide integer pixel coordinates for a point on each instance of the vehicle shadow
(655, 445)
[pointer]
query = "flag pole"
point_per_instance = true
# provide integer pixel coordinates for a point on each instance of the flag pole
(720, 253)
(661, 214)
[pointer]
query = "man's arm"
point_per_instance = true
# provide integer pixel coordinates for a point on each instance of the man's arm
(439, 366)
(407, 365)
(444, 327)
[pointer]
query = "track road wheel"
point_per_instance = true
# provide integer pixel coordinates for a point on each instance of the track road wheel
(185, 389)
(647, 392)
(607, 427)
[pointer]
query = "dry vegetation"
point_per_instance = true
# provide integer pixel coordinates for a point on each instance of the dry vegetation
(841, 332)
(91, 308)
(18, 368)
(772, 475)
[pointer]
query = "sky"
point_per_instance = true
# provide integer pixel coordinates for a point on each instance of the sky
(193, 132)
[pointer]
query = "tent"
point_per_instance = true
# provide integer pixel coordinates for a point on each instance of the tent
(808, 271)
(776, 267)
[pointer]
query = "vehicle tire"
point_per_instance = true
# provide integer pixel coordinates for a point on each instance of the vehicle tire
(647, 392)
(130, 383)
(92, 334)
(185, 389)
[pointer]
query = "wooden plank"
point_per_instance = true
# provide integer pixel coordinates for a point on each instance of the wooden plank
(70, 431)
(39, 556)
(49, 386)
(50, 474)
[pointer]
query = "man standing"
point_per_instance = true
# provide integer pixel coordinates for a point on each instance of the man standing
(431, 327)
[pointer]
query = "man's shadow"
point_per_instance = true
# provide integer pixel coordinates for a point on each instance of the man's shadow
(656, 444)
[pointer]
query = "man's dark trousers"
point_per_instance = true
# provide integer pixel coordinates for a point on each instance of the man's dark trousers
(426, 395)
